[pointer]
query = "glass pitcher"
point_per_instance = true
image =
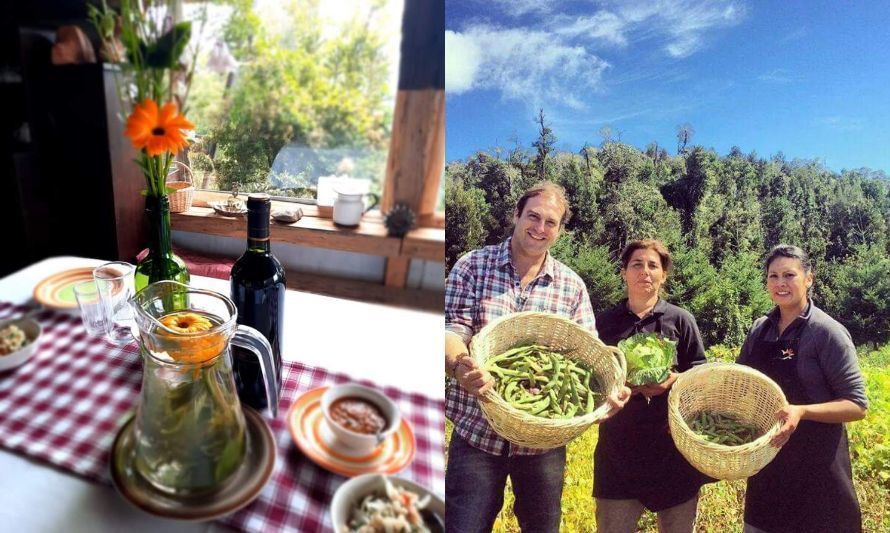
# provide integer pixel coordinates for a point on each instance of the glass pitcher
(189, 428)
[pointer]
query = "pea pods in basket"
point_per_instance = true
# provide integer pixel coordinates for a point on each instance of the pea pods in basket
(544, 383)
(722, 429)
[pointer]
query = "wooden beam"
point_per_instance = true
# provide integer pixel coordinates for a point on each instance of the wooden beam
(425, 243)
(369, 237)
(413, 147)
(434, 166)
(397, 272)
(365, 291)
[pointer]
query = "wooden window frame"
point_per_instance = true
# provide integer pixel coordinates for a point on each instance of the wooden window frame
(417, 150)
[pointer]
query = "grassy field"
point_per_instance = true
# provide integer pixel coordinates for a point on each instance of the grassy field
(720, 507)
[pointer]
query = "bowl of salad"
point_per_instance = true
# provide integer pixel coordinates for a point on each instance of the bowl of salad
(18, 339)
(373, 503)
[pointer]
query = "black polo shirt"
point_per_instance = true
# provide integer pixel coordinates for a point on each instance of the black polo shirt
(635, 456)
(670, 321)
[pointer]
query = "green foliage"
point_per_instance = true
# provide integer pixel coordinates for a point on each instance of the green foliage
(720, 353)
(620, 162)
(634, 210)
(303, 89)
(874, 357)
(726, 309)
(857, 291)
(582, 184)
(200, 162)
(464, 219)
(596, 268)
(241, 28)
(718, 216)
(693, 274)
(870, 444)
(856, 220)
(700, 178)
(494, 178)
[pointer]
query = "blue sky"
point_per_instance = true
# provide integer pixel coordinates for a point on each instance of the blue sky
(808, 78)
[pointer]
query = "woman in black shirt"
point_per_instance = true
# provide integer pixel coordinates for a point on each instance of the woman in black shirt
(636, 464)
(808, 487)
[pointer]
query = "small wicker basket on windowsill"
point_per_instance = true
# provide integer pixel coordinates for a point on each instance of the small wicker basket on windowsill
(181, 198)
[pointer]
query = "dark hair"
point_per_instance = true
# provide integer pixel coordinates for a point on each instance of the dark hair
(667, 263)
(791, 252)
(546, 187)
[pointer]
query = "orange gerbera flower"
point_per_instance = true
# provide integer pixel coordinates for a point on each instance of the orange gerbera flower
(157, 132)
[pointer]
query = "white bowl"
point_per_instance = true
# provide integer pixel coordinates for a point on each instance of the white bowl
(351, 493)
(32, 331)
(360, 442)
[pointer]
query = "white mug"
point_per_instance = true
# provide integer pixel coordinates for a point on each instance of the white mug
(350, 206)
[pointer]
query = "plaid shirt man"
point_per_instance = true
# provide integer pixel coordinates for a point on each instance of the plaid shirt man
(484, 285)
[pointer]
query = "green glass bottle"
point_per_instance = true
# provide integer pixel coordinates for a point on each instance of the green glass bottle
(160, 263)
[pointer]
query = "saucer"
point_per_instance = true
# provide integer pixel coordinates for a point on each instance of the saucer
(313, 436)
(241, 489)
(57, 291)
(225, 210)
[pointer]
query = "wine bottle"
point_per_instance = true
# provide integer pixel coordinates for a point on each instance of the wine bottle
(258, 287)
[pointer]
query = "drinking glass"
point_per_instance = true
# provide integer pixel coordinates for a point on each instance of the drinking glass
(95, 309)
(119, 275)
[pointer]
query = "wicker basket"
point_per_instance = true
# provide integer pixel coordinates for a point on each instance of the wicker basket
(559, 334)
(181, 198)
(728, 389)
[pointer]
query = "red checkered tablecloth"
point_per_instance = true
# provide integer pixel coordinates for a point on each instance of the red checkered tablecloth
(64, 406)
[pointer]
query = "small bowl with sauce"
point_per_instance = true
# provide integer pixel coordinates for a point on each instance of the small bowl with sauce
(360, 417)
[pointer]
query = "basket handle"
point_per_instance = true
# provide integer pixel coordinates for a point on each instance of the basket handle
(189, 179)
(622, 362)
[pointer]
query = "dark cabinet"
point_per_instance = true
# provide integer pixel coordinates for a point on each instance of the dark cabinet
(69, 185)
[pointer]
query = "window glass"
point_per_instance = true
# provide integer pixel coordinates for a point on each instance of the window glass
(292, 97)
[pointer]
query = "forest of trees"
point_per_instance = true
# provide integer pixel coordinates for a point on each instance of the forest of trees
(717, 214)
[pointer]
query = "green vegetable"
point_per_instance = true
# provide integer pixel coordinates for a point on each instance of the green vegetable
(544, 383)
(722, 429)
(649, 358)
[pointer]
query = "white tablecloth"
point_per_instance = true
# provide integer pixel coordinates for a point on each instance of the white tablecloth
(387, 345)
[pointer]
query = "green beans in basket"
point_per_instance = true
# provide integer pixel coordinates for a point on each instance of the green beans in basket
(723, 429)
(544, 383)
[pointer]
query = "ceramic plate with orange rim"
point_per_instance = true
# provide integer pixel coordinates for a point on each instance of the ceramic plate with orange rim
(57, 291)
(311, 433)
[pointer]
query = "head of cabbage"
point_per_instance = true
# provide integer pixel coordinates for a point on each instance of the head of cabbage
(649, 358)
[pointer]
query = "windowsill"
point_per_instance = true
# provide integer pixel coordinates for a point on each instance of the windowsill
(425, 243)
(369, 237)
(315, 231)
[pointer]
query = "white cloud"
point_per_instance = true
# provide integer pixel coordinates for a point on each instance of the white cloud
(462, 59)
(556, 60)
(602, 25)
(533, 66)
(683, 22)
